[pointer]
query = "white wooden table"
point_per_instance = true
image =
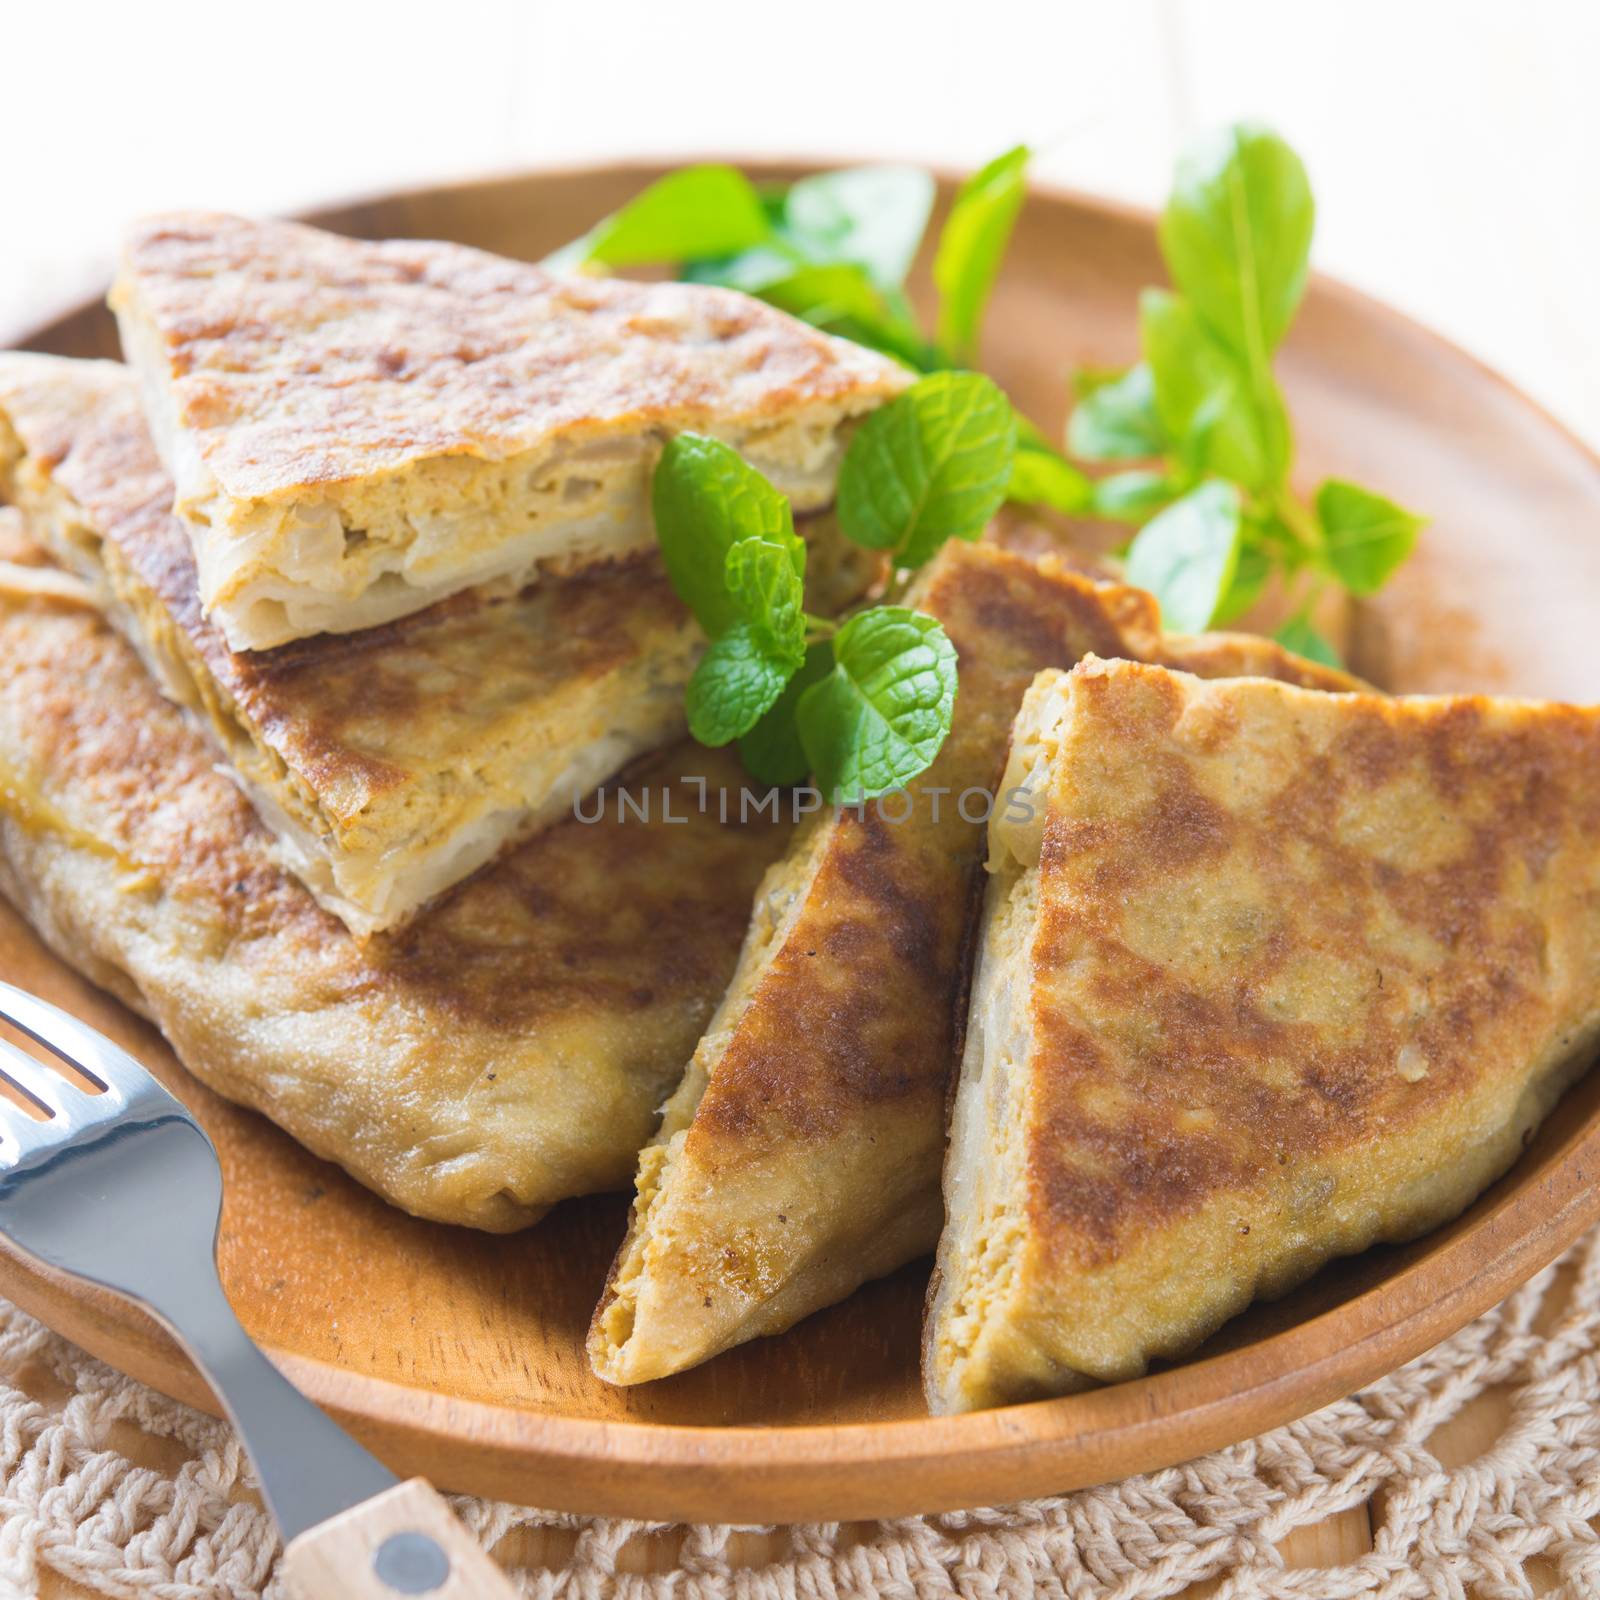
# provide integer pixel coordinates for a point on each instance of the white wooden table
(1452, 142)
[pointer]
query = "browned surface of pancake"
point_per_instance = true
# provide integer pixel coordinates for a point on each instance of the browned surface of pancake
(1249, 655)
(808, 1162)
(394, 761)
(361, 722)
(510, 1048)
(302, 358)
(855, 1009)
(1304, 973)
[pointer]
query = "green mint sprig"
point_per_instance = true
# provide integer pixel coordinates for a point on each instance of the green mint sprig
(834, 250)
(729, 546)
(877, 720)
(1204, 417)
(932, 466)
(971, 248)
(1203, 408)
(705, 210)
(864, 702)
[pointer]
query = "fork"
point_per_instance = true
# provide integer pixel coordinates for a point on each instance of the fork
(120, 1185)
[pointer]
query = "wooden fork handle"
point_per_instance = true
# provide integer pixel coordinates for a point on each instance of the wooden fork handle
(404, 1544)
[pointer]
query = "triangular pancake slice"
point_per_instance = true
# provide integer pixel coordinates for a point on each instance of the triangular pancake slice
(508, 1049)
(800, 1157)
(1265, 977)
(389, 764)
(357, 430)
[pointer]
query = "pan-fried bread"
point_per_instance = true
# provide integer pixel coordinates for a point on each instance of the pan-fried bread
(800, 1156)
(1249, 655)
(1266, 977)
(508, 1049)
(26, 572)
(358, 429)
(392, 763)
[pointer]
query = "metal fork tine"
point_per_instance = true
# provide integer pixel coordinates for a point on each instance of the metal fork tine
(20, 1134)
(38, 1082)
(78, 1044)
(124, 1189)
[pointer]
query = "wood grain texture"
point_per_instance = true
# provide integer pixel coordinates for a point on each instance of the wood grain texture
(461, 1356)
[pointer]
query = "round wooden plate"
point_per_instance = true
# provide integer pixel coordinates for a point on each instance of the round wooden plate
(461, 1356)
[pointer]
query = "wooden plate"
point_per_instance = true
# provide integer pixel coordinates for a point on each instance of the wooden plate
(461, 1356)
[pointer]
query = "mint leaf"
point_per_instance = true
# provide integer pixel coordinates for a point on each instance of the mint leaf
(1187, 556)
(766, 579)
(1207, 404)
(696, 211)
(1117, 420)
(829, 293)
(879, 717)
(1299, 636)
(1042, 476)
(750, 271)
(872, 217)
(736, 683)
(1365, 537)
(838, 249)
(771, 750)
(971, 246)
(706, 499)
(839, 297)
(1131, 496)
(843, 299)
(1085, 380)
(1249, 579)
(1039, 477)
(931, 465)
(1236, 234)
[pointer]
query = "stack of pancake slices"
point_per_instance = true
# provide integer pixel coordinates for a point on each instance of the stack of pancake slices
(323, 621)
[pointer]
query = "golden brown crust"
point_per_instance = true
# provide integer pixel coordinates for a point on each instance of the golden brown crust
(511, 1048)
(300, 358)
(332, 726)
(856, 1008)
(1304, 973)
(356, 430)
(811, 1162)
(1248, 655)
(337, 709)
(1461, 907)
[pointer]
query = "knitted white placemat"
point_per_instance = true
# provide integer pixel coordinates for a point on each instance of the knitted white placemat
(74, 1502)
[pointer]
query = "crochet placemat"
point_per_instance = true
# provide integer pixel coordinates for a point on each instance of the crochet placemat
(124, 1492)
